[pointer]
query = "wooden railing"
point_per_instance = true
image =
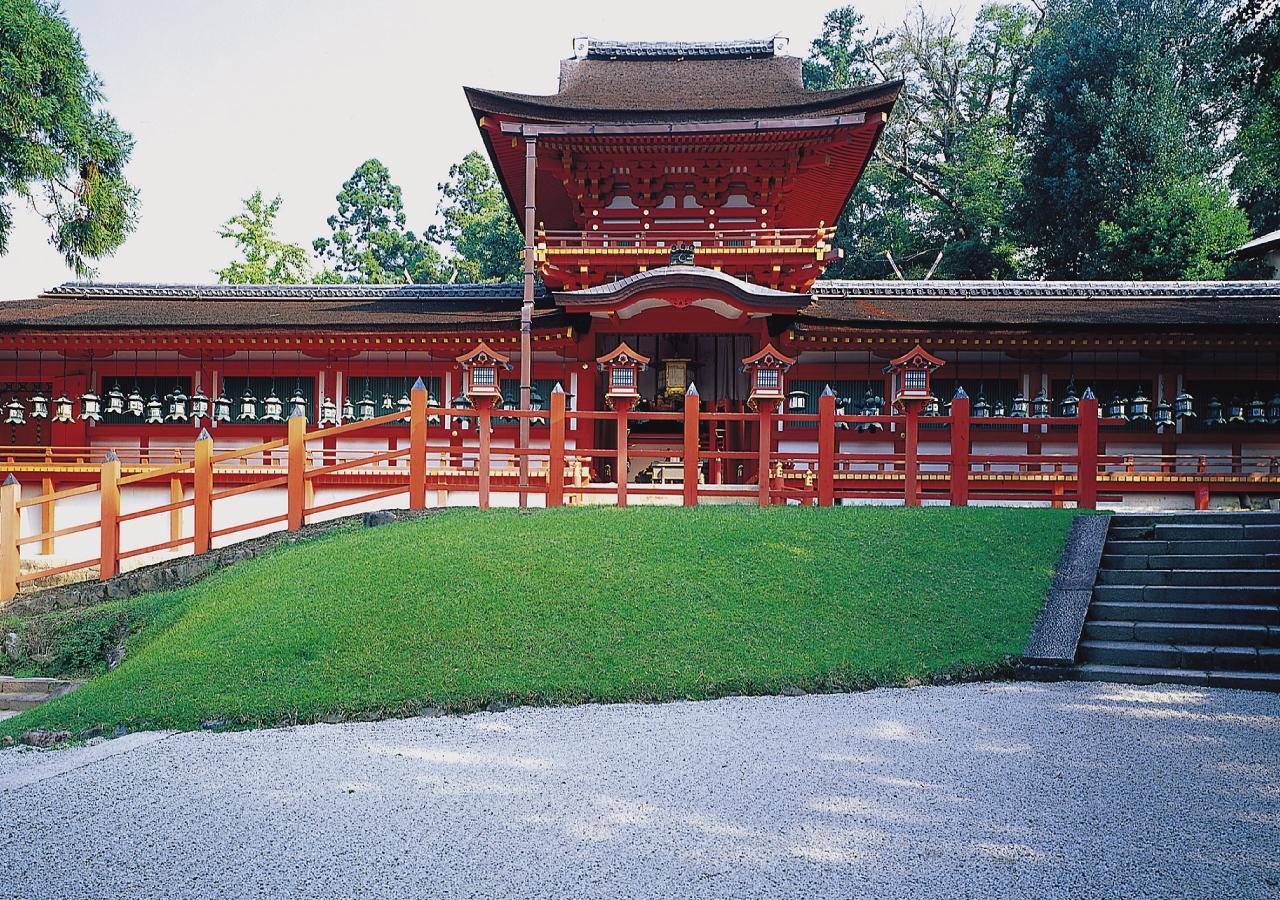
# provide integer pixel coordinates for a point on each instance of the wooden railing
(835, 469)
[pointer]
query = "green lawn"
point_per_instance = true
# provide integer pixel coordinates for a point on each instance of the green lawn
(463, 608)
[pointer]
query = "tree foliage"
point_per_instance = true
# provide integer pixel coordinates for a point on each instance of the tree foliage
(477, 224)
(1256, 175)
(369, 241)
(265, 258)
(60, 150)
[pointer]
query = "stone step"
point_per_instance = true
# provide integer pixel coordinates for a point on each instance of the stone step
(46, 687)
(1189, 547)
(1245, 517)
(1190, 577)
(1234, 634)
(1252, 681)
(1222, 561)
(1166, 593)
(15, 700)
(1210, 613)
(1181, 532)
(1180, 656)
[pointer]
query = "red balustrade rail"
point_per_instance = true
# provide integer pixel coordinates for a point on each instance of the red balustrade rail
(940, 467)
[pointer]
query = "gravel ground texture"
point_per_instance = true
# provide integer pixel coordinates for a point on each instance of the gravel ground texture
(981, 790)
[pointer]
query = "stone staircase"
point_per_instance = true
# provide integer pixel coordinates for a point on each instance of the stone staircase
(23, 693)
(1187, 599)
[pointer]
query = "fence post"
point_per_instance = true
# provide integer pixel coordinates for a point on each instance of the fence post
(1087, 449)
(202, 505)
(10, 525)
(827, 447)
(961, 445)
(109, 490)
(690, 484)
(483, 433)
(765, 451)
(48, 514)
(297, 469)
(555, 457)
(418, 445)
(175, 515)
(622, 462)
(911, 466)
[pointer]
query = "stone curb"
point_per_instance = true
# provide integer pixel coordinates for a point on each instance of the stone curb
(1058, 628)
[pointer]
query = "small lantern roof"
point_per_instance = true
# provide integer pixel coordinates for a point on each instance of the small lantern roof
(622, 355)
(915, 358)
(484, 355)
(770, 357)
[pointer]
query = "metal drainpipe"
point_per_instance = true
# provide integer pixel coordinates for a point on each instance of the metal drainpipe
(526, 309)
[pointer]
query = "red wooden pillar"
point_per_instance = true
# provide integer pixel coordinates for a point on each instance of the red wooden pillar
(1202, 496)
(296, 474)
(203, 484)
(418, 446)
(109, 490)
(911, 466)
(555, 460)
(484, 432)
(48, 514)
(765, 452)
(1087, 449)
(827, 447)
(961, 445)
(621, 406)
(690, 485)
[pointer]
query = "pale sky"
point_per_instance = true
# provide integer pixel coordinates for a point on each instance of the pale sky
(291, 95)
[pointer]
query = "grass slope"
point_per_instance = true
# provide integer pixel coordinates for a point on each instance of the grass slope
(463, 608)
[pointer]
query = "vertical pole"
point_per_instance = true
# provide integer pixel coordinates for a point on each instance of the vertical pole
(48, 516)
(690, 484)
(763, 472)
(109, 490)
(10, 525)
(961, 445)
(555, 458)
(911, 485)
(1087, 448)
(175, 515)
(297, 468)
(526, 308)
(418, 445)
(483, 419)
(622, 462)
(203, 493)
(827, 447)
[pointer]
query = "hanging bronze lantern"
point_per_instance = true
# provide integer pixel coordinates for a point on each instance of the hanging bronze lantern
(460, 402)
(432, 418)
(328, 412)
(177, 405)
(15, 412)
(367, 407)
(1273, 409)
(1213, 414)
(1140, 407)
(135, 404)
(998, 411)
(1070, 405)
(90, 407)
(39, 406)
(199, 405)
(222, 408)
(981, 408)
(1041, 405)
(388, 403)
(1164, 414)
(248, 407)
(872, 405)
(797, 400)
(272, 408)
(348, 410)
(155, 411)
(297, 400)
(1257, 411)
(1021, 406)
(115, 400)
(1235, 412)
(1184, 406)
(62, 410)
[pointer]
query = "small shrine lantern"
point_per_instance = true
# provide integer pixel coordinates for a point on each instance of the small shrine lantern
(675, 378)
(623, 366)
(912, 373)
(766, 369)
(482, 364)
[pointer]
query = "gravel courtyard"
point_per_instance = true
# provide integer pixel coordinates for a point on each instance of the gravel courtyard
(1024, 790)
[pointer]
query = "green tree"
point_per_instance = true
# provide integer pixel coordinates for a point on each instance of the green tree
(477, 224)
(938, 194)
(369, 242)
(265, 258)
(1256, 175)
(60, 151)
(1130, 100)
